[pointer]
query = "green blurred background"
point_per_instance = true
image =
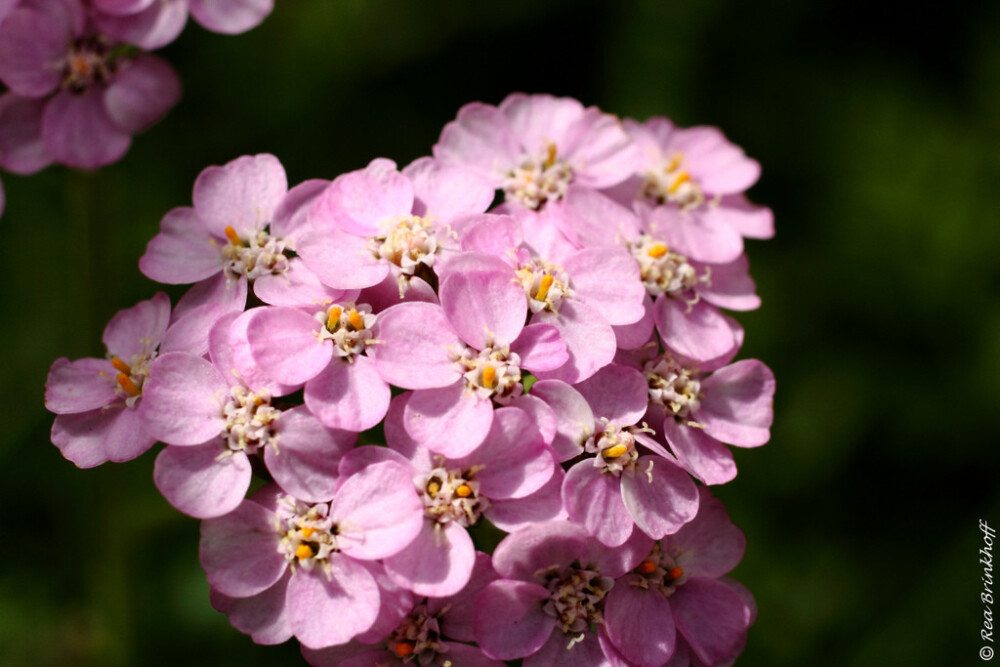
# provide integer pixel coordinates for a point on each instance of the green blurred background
(878, 128)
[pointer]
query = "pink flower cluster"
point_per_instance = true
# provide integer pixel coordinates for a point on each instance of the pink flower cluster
(557, 365)
(79, 80)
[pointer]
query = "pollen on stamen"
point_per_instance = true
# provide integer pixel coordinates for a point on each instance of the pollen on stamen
(646, 567)
(675, 572)
(543, 287)
(128, 385)
(121, 366)
(682, 178)
(333, 320)
(463, 491)
(356, 320)
(657, 251)
(433, 487)
(551, 157)
(233, 237)
(615, 451)
(304, 551)
(489, 376)
(404, 649)
(307, 531)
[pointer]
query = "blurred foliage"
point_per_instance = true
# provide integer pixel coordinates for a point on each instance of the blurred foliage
(878, 128)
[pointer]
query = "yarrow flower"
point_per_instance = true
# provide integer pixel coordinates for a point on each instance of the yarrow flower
(413, 374)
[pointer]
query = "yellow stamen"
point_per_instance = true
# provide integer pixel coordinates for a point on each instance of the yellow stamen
(543, 287)
(657, 251)
(121, 366)
(127, 384)
(80, 66)
(615, 451)
(304, 551)
(356, 320)
(307, 531)
(675, 161)
(647, 567)
(404, 649)
(675, 573)
(489, 376)
(433, 487)
(682, 178)
(463, 491)
(233, 237)
(333, 320)
(551, 159)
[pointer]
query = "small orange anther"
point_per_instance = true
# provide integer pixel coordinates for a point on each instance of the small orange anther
(304, 551)
(463, 491)
(682, 178)
(356, 320)
(657, 251)
(307, 531)
(543, 287)
(615, 451)
(127, 384)
(433, 487)
(233, 237)
(551, 158)
(333, 319)
(489, 376)
(676, 573)
(121, 366)
(404, 648)
(675, 161)
(647, 567)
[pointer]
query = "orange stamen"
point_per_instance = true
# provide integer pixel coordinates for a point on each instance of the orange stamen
(676, 573)
(489, 377)
(307, 531)
(675, 161)
(121, 366)
(80, 66)
(304, 551)
(356, 320)
(127, 384)
(682, 178)
(647, 567)
(657, 251)
(615, 451)
(433, 487)
(333, 319)
(543, 287)
(404, 649)
(233, 237)
(463, 491)
(551, 159)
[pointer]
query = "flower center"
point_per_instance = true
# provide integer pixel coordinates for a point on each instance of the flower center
(249, 420)
(545, 284)
(538, 179)
(575, 598)
(258, 255)
(87, 63)
(308, 535)
(493, 372)
(614, 448)
(349, 326)
(406, 241)
(672, 184)
(452, 495)
(660, 571)
(663, 271)
(417, 639)
(676, 388)
(132, 374)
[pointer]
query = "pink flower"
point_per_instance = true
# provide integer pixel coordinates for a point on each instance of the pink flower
(152, 24)
(534, 146)
(279, 567)
(95, 98)
(676, 592)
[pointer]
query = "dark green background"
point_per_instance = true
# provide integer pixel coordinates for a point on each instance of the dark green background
(877, 126)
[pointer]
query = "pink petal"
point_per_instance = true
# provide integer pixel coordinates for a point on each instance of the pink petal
(242, 194)
(445, 192)
(438, 563)
(183, 251)
(595, 500)
(230, 17)
(147, 320)
(711, 545)
(200, 309)
(298, 286)
(350, 396)
(660, 496)
(701, 455)
(616, 392)
(306, 456)
(509, 622)
(142, 93)
(230, 350)
(755, 222)
(419, 346)
(489, 234)
(153, 28)
(737, 408)
(457, 610)
(591, 218)
(290, 219)
(284, 342)
(200, 481)
(589, 338)
(80, 386)
(239, 551)
(696, 234)
(631, 336)
(480, 139)
(640, 624)
(576, 419)
(718, 166)
(710, 616)
(543, 505)
(31, 42)
(729, 286)
(695, 331)
(341, 260)
(600, 151)
(607, 279)
(22, 149)
(485, 306)
(122, 7)
(106, 434)
(451, 421)
(326, 609)
(79, 133)
(359, 201)
(183, 399)
(537, 120)
(540, 347)
(543, 416)
(261, 616)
